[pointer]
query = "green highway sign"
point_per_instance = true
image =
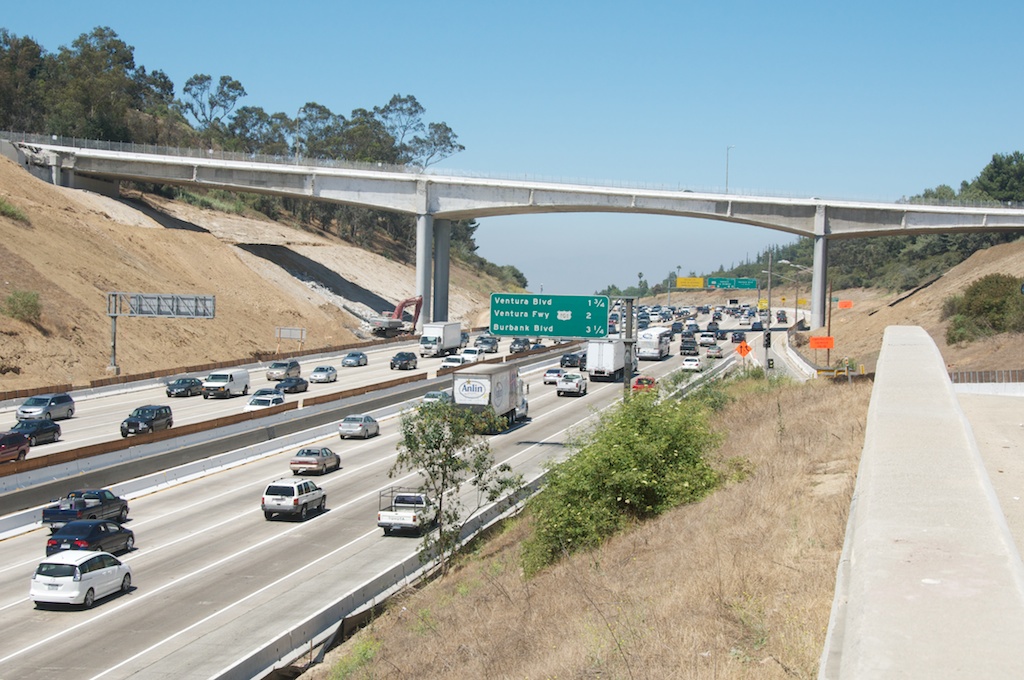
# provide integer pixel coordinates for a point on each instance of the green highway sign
(728, 283)
(550, 316)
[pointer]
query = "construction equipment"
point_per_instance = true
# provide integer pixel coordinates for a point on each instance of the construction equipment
(390, 324)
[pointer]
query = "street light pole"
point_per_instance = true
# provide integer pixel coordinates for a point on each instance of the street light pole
(731, 146)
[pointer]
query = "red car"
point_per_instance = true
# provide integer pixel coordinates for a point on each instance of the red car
(13, 446)
(644, 383)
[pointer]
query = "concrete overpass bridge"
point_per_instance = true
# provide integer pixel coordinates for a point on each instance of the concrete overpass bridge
(437, 199)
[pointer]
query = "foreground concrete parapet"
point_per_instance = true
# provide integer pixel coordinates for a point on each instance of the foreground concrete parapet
(930, 583)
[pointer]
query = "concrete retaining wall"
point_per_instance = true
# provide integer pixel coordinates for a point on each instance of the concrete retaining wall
(930, 583)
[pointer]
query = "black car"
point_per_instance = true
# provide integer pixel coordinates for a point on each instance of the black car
(38, 431)
(293, 385)
(757, 326)
(147, 419)
(403, 361)
(518, 345)
(185, 387)
(91, 534)
(571, 360)
(738, 336)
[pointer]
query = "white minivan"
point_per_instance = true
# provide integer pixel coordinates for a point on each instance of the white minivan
(229, 382)
(79, 577)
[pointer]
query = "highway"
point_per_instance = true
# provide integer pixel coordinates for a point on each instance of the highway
(212, 578)
(98, 419)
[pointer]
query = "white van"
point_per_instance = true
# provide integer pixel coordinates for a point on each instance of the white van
(228, 382)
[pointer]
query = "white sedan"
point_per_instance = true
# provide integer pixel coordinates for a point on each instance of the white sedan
(692, 364)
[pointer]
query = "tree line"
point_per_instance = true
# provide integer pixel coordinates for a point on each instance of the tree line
(896, 263)
(94, 89)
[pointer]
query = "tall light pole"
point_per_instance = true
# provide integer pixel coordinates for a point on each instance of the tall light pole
(731, 146)
(796, 310)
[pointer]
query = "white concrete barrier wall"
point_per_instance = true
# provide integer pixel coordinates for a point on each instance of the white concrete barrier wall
(930, 583)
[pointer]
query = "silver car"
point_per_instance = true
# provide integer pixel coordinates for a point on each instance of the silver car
(354, 359)
(323, 374)
(47, 407)
(358, 426)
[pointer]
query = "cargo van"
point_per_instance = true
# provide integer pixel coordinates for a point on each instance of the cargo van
(226, 383)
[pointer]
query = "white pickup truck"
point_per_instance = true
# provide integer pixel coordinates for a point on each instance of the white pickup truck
(405, 509)
(571, 383)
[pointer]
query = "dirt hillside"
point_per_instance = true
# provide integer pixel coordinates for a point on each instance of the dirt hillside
(77, 246)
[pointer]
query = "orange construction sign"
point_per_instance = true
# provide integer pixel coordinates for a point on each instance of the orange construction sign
(744, 349)
(821, 342)
(846, 304)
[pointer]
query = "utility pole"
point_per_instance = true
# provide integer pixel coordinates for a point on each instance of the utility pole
(627, 337)
(731, 146)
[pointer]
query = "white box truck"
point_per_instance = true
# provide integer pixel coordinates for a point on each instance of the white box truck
(441, 338)
(606, 359)
(496, 386)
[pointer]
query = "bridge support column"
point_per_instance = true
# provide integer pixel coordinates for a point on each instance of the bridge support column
(424, 244)
(818, 278)
(442, 266)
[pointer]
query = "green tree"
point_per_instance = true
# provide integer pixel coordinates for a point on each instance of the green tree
(23, 306)
(445, 444)
(90, 93)
(440, 143)
(210, 107)
(1003, 178)
(22, 68)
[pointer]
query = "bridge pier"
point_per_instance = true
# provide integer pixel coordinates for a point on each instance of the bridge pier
(442, 267)
(424, 246)
(818, 293)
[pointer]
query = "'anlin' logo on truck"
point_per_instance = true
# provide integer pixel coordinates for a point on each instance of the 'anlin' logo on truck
(472, 389)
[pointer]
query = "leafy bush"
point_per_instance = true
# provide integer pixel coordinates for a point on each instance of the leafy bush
(992, 304)
(23, 306)
(643, 458)
(12, 211)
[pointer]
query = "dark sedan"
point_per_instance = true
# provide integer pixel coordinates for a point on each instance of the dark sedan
(91, 534)
(293, 385)
(185, 387)
(403, 361)
(38, 431)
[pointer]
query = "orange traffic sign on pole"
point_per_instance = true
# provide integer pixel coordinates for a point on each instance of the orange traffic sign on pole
(744, 349)
(821, 342)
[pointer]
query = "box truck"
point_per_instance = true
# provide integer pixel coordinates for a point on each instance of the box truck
(606, 359)
(494, 386)
(440, 339)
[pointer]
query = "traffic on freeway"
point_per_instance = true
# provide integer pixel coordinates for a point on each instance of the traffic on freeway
(212, 577)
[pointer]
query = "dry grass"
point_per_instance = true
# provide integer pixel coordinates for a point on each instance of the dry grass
(737, 586)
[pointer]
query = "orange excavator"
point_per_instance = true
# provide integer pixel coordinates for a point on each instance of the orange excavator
(390, 324)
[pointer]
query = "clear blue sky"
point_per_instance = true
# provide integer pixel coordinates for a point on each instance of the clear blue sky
(869, 100)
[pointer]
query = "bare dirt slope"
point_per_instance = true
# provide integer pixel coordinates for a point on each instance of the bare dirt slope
(858, 330)
(77, 247)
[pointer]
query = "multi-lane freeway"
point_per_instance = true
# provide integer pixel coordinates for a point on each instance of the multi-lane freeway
(212, 578)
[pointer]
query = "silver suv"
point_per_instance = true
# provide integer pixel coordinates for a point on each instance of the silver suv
(47, 407)
(292, 497)
(279, 370)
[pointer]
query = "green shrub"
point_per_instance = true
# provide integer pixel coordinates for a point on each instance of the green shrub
(12, 211)
(23, 306)
(643, 458)
(992, 304)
